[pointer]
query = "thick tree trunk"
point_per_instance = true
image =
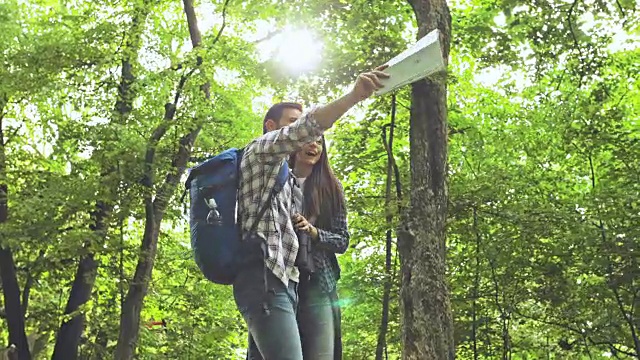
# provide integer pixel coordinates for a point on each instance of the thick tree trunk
(70, 332)
(428, 324)
(11, 292)
(155, 209)
(10, 286)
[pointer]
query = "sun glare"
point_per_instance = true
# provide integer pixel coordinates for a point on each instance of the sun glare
(298, 50)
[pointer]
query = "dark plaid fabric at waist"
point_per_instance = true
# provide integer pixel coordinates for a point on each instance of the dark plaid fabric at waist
(327, 270)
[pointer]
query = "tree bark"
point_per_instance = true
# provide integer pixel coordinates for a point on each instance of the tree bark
(155, 208)
(11, 293)
(70, 332)
(427, 318)
(10, 286)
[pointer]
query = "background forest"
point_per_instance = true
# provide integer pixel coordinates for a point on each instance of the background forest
(105, 103)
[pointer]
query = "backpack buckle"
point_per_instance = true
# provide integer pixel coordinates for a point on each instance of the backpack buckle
(213, 217)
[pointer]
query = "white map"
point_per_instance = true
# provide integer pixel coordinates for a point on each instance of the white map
(422, 59)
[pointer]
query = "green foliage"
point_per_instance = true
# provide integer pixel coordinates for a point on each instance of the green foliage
(544, 168)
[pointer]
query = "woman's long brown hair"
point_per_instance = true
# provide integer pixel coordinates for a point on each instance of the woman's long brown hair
(322, 193)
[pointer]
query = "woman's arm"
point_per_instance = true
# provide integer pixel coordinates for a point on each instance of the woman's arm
(335, 239)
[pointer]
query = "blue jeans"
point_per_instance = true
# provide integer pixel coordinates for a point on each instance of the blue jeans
(317, 322)
(274, 331)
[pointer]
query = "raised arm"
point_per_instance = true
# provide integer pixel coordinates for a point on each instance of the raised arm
(366, 84)
(273, 146)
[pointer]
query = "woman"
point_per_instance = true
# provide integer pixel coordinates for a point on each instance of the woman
(323, 221)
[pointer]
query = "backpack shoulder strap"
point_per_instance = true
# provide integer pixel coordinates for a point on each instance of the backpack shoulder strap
(240, 153)
(283, 176)
(281, 180)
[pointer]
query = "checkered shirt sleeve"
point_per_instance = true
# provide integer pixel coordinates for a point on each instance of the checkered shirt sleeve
(259, 170)
(331, 241)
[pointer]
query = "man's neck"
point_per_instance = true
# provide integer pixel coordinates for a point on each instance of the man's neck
(302, 171)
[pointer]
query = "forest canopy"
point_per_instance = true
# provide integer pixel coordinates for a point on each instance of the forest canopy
(104, 105)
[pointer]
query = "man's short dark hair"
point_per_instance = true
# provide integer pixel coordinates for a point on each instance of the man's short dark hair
(275, 113)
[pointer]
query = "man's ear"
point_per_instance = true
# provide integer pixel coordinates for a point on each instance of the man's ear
(270, 125)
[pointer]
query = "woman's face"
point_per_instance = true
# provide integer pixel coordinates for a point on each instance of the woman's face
(310, 153)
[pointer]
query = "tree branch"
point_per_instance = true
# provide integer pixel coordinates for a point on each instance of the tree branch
(613, 347)
(224, 22)
(269, 36)
(622, 12)
(575, 39)
(13, 134)
(179, 164)
(170, 108)
(32, 276)
(603, 234)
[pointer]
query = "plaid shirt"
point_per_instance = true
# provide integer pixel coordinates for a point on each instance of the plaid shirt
(332, 241)
(259, 170)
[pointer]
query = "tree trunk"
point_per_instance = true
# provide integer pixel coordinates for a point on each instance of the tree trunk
(155, 209)
(428, 323)
(10, 286)
(386, 294)
(70, 332)
(476, 286)
(11, 292)
(32, 276)
(130, 317)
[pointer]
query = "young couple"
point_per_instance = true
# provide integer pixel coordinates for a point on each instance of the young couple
(291, 313)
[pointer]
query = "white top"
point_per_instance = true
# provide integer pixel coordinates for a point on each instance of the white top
(301, 181)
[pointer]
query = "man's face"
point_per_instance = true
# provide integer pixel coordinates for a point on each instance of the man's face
(289, 116)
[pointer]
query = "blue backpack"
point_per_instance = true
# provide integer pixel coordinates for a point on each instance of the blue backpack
(216, 237)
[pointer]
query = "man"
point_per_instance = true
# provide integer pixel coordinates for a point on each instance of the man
(266, 289)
